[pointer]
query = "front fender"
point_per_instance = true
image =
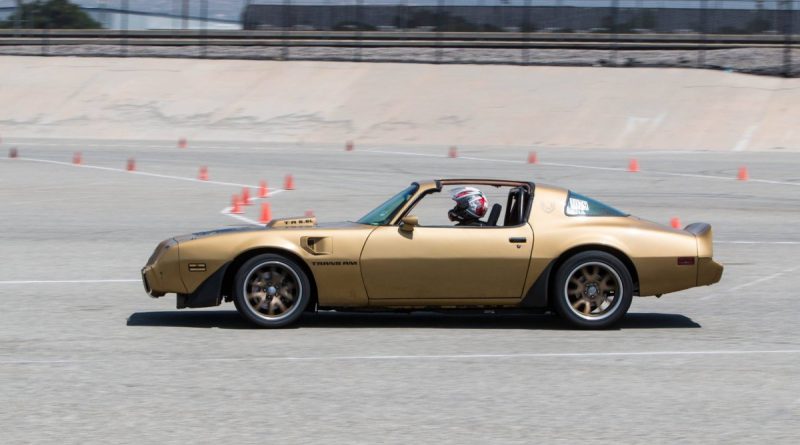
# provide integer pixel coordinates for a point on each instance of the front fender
(203, 257)
(331, 254)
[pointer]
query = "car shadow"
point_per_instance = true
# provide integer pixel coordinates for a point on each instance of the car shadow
(431, 320)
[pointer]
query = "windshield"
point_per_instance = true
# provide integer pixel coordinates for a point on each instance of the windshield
(384, 212)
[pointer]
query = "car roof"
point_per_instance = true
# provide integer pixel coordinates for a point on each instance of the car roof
(438, 183)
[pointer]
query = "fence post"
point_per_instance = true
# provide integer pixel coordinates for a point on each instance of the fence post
(18, 19)
(359, 34)
(439, 24)
(204, 29)
(185, 14)
(614, 31)
(406, 11)
(247, 19)
(526, 56)
(285, 49)
(123, 47)
(788, 38)
(701, 56)
(331, 15)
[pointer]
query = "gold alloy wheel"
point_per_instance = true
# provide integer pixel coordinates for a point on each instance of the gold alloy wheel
(272, 290)
(593, 290)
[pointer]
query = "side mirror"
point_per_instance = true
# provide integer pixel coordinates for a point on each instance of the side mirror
(408, 223)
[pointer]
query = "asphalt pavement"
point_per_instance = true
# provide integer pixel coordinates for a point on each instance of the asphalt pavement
(87, 357)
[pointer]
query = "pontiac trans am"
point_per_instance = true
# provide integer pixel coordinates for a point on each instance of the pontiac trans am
(545, 249)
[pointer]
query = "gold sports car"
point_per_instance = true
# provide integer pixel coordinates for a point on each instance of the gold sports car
(541, 248)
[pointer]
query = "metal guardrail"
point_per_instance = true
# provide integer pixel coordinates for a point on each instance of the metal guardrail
(403, 36)
(763, 54)
(574, 45)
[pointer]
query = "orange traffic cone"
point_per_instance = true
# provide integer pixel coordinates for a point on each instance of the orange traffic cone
(633, 166)
(675, 223)
(743, 175)
(131, 165)
(236, 207)
(453, 153)
(203, 175)
(263, 191)
(12, 153)
(289, 183)
(348, 146)
(246, 196)
(266, 213)
(77, 158)
(182, 143)
(532, 158)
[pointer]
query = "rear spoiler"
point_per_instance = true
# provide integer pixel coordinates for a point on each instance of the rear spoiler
(698, 229)
(705, 243)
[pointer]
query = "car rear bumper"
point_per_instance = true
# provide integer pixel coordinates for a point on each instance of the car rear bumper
(708, 271)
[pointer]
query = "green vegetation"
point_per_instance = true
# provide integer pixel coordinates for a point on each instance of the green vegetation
(50, 14)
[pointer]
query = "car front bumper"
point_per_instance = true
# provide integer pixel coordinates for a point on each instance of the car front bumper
(148, 275)
(161, 274)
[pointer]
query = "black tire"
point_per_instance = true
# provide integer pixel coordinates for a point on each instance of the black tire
(278, 277)
(591, 273)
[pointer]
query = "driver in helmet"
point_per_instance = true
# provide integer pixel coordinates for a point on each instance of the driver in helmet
(471, 205)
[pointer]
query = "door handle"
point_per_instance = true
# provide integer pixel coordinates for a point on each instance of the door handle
(518, 239)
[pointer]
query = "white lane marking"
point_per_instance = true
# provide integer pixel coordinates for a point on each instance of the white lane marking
(136, 172)
(768, 181)
(672, 152)
(227, 210)
(587, 167)
(67, 281)
(417, 357)
(744, 141)
(507, 161)
(77, 144)
(404, 153)
(789, 243)
(750, 283)
(590, 167)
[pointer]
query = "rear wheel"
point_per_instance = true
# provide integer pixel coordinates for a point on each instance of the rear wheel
(271, 291)
(593, 290)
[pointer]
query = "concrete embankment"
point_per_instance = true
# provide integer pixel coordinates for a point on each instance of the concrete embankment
(327, 102)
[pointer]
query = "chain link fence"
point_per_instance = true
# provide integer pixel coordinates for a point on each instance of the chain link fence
(755, 36)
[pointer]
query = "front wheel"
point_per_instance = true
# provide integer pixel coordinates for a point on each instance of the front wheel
(593, 290)
(271, 291)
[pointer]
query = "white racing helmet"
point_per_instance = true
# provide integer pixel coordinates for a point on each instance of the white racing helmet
(470, 204)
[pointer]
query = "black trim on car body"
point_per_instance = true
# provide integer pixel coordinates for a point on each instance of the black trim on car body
(208, 294)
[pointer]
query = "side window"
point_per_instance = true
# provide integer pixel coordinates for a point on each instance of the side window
(579, 205)
(432, 210)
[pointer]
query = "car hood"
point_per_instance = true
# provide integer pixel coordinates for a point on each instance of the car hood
(310, 222)
(276, 224)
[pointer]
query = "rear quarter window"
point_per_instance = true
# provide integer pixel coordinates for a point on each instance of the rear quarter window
(579, 205)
